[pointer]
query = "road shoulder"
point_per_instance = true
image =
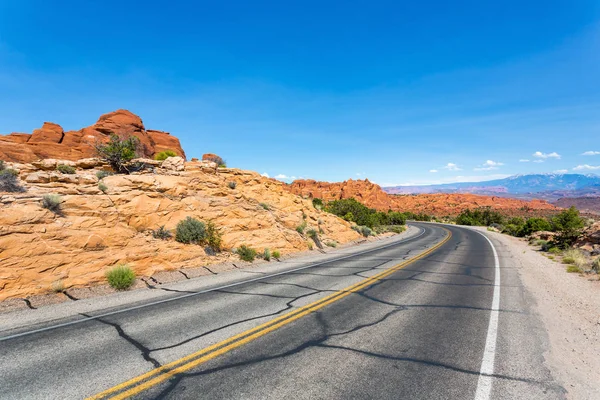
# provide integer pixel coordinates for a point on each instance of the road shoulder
(568, 306)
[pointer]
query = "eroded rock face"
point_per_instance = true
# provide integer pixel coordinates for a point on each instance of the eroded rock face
(98, 230)
(50, 141)
(440, 204)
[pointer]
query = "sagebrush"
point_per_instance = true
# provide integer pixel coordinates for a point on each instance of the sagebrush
(120, 277)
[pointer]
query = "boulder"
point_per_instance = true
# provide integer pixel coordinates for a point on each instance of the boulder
(173, 164)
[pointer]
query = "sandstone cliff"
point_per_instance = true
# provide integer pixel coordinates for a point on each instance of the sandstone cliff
(440, 205)
(50, 141)
(97, 230)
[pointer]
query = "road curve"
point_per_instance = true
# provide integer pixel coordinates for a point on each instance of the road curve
(423, 318)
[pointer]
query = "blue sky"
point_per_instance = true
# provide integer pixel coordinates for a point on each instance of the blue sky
(385, 90)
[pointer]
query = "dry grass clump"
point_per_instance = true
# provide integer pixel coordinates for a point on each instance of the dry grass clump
(575, 257)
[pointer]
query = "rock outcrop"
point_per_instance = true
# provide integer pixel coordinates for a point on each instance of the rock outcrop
(51, 141)
(440, 205)
(97, 229)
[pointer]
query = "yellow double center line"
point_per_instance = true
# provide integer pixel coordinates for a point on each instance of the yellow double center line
(154, 377)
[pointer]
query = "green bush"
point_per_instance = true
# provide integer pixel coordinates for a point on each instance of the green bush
(276, 254)
(232, 185)
(213, 237)
(317, 203)
(569, 225)
(102, 187)
(52, 202)
(266, 254)
(535, 224)
(246, 253)
(118, 152)
(484, 216)
(9, 181)
(120, 277)
(163, 155)
(265, 206)
(554, 250)
(331, 244)
(65, 169)
(300, 228)
(312, 234)
(103, 174)
(162, 233)
(190, 230)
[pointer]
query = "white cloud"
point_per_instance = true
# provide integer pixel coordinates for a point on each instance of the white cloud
(591, 153)
(586, 167)
(561, 171)
(452, 167)
(285, 177)
(523, 160)
(539, 154)
(360, 174)
(265, 175)
(433, 170)
(489, 165)
(538, 161)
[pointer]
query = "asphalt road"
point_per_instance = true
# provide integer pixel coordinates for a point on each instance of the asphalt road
(414, 320)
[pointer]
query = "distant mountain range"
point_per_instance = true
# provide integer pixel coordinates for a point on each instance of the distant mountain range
(541, 186)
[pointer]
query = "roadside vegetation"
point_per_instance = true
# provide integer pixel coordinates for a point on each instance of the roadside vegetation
(193, 231)
(120, 277)
(9, 180)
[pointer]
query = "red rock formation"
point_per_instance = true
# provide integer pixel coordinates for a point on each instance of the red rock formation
(50, 141)
(441, 204)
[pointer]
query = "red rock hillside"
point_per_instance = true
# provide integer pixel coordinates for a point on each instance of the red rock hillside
(440, 204)
(51, 141)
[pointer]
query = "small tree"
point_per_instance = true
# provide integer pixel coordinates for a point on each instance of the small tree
(118, 152)
(568, 224)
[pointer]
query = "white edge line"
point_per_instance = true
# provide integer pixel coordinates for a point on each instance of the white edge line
(204, 291)
(484, 384)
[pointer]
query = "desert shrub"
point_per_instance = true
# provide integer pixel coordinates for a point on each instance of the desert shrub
(162, 233)
(120, 277)
(163, 155)
(317, 203)
(568, 225)
(540, 242)
(312, 233)
(576, 257)
(246, 253)
(2, 166)
(51, 202)
(266, 254)
(102, 187)
(547, 246)
(300, 228)
(118, 152)
(213, 237)
(309, 245)
(103, 174)
(353, 211)
(596, 265)
(217, 160)
(573, 268)
(190, 230)
(265, 206)
(276, 254)
(232, 185)
(9, 181)
(363, 230)
(554, 250)
(58, 286)
(65, 169)
(535, 224)
(331, 244)
(484, 216)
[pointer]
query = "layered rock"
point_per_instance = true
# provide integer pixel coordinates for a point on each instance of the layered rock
(50, 141)
(441, 204)
(97, 230)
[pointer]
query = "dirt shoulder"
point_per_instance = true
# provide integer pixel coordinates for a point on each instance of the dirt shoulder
(569, 307)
